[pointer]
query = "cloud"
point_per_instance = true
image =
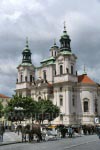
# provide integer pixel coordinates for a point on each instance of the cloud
(42, 21)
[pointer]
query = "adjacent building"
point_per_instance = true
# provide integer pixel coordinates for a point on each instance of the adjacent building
(4, 99)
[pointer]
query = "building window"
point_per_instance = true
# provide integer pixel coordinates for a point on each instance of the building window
(62, 44)
(76, 73)
(44, 75)
(21, 78)
(31, 78)
(25, 78)
(72, 89)
(55, 72)
(67, 70)
(55, 53)
(73, 102)
(61, 102)
(52, 53)
(86, 107)
(71, 69)
(60, 89)
(39, 98)
(96, 107)
(61, 69)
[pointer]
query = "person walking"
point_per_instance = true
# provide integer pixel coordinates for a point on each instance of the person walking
(98, 133)
(70, 132)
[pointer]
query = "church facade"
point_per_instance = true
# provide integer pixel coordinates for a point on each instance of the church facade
(78, 96)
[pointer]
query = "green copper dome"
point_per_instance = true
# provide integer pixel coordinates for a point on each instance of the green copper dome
(65, 41)
(55, 45)
(26, 54)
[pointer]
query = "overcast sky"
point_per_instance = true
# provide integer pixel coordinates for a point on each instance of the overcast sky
(42, 21)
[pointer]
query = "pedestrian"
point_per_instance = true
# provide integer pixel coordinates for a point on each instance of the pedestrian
(63, 132)
(98, 133)
(70, 132)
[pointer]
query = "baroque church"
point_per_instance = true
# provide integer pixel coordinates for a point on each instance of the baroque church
(56, 79)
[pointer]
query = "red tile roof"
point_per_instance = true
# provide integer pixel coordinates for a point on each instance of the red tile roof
(3, 96)
(85, 79)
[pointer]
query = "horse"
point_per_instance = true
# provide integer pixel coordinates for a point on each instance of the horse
(31, 131)
(18, 129)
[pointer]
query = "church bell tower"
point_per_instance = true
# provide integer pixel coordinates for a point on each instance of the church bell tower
(65, 41)
(26, 73)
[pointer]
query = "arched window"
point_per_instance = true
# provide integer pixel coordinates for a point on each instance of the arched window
(60, 89)
(52, 53)
(21, 78)
(61, 101)
(62, 44)
(71, 69)
(61, 69)
(55, 53)
(86, 105)
(96, 106)
(31, 78)
(25, 78)
(76, 73)
(67, 70)
(73, 101)
(44, 75)
(55, 72)
(39, 98)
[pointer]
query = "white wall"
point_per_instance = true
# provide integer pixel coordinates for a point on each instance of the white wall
(49, 72)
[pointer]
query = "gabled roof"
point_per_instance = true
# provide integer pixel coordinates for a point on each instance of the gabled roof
(85, 79)
(3, 96)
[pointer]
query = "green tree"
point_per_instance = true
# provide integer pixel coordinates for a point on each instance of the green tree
(1, 109)
(14, 111)
(47, 110)
(40, 111)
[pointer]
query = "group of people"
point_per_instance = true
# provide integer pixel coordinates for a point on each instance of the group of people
(86, 130)
(69, 131)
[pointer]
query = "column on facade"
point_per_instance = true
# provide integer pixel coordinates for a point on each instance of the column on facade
(67, 101)
(92, 104)
(55, 97)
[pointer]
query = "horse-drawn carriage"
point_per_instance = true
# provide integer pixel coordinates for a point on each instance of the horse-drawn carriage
(36, 133)
(30, 132)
